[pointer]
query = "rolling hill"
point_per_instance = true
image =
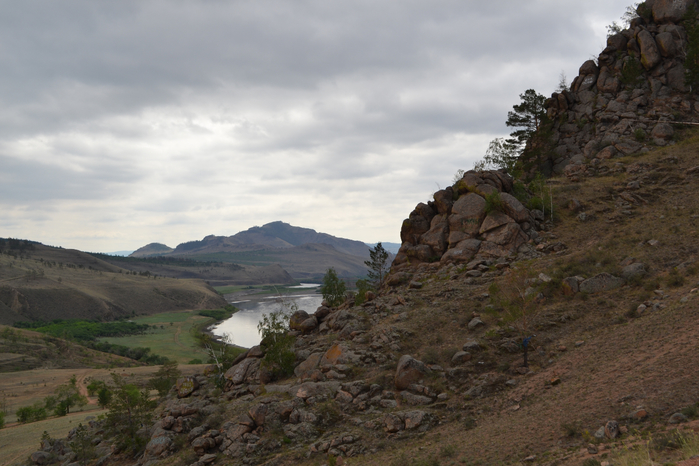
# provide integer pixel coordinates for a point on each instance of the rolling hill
(39, 282)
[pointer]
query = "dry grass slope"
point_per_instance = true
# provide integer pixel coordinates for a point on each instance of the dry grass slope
(48, 283)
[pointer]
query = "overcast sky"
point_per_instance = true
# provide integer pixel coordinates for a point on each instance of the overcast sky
(136, 121)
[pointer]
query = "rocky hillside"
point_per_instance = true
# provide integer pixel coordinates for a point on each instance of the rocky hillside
(627, 100)
(431, 371)
(559, 331)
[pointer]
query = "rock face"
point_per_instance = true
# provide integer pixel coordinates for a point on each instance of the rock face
(462, 227)
(637, 88)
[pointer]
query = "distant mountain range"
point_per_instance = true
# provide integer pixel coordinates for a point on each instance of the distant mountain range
(305, 253)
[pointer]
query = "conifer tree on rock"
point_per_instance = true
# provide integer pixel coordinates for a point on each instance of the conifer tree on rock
(378, 265)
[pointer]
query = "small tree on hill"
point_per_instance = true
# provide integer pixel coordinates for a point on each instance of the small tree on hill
(517, 299)
(378, 265)
(279, 356)
(502, 154)
(164, 379)
(130, 408)
(333, 289)
(67, 396)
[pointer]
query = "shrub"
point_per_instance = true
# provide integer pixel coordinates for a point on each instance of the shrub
(691, 411)
(165, 378)
(639, 134)
(631, 72)
(494, 203)
(31, 413)
(129, 409)
(535, 203)
(362, 287)
(2, 419)
(675, 279)
(279, 356)
(333, 289)
(448, 451)
(431, 356)
(82, 445)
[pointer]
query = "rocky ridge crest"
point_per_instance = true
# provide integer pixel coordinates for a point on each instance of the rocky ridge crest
(628, 98)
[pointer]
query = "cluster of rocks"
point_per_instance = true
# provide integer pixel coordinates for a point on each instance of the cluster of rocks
(59, 451)
(627, 97)
(458, 226)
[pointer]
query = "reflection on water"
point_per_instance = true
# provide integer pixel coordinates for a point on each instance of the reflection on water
(242, 326)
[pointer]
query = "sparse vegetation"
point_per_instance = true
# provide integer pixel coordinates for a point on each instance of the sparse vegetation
(494, 203)
(165, 378)
(279, 356)
(333, 289)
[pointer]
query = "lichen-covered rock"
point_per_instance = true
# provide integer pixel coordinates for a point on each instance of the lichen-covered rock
(157, 446)
(650, 56)
(186, 386)
(601, 282)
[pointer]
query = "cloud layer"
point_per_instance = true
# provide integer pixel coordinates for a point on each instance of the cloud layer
(123, 123)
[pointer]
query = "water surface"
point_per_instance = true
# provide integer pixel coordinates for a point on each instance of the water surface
(242, 326)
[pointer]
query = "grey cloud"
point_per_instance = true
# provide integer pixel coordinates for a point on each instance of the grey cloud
(165, 106)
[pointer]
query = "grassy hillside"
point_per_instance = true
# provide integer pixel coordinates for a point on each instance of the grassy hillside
(45, 283)
(22, 350)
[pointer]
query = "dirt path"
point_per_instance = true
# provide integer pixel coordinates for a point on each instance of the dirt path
(82, 388)
(177, 335)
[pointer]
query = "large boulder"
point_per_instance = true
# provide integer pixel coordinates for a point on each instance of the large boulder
(494, 220)
(514, 208)
(297, 318)
(436, 237)
(306, 368)
(467, 215)
(443, 200)
(242, 371)
(607, 82)
(666, 44)
(650, 56)
(464, 251)
(185, 386)
(670, 11)
(409, 371)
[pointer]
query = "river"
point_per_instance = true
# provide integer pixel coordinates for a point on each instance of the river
(242, 326)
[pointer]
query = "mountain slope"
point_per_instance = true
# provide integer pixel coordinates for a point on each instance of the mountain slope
(304, 253)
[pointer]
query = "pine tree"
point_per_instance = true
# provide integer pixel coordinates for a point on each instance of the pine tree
(333, 289)
(378, 265)
(528, 115)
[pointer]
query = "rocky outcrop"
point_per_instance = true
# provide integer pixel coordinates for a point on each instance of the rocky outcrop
(632, 91)
(460, 225)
